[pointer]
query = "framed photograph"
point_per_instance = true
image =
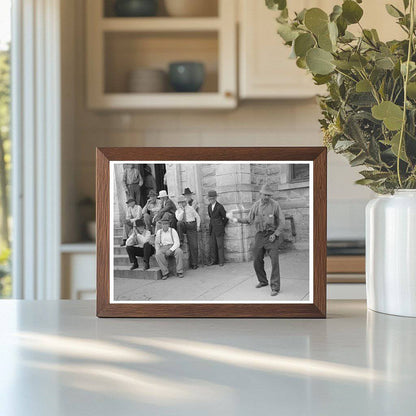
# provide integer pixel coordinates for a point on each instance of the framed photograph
(211, 232)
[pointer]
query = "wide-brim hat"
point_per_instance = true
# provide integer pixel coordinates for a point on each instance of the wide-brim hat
(130, 200)
(152, 193)
(212, 194)
(166, 217)
(162, 194)
(181, 199)
(266, 190)
(187, 191)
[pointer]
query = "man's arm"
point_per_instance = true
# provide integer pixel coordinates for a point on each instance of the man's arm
(198, 218)
(139, 213)
(140, 179)
(157, 241)
(125, 179)
(251, 215)
(179, 214)
(176, 242)
(144, 210)
(223, 215)
(282, 220)
(132, 240)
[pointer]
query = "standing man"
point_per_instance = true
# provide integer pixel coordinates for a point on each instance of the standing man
(167, 244)
(188, 194)
(189, 223)
(133, 213)
(138, 245)
(269, 221)
(217, 223)
(151, 209)
(168, 209)
(132, 181)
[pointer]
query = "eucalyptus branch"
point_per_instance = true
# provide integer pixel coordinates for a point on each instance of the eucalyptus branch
(405, 81)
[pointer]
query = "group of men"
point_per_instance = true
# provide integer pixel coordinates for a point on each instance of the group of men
(159, 227)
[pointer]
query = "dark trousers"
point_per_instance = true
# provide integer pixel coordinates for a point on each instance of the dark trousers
(146, 251)
(190, 229)
(262, 244)
(216, 248)
(133, 191)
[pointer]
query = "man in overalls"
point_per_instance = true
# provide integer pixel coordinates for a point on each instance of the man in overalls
(269, 221)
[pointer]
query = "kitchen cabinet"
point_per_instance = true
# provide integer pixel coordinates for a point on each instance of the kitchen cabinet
(116, 46)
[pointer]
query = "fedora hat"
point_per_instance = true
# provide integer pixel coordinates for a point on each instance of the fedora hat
(266, 190)
(212, 194)
(181, 199)
(166, 217)
(152, 193)
(130, 200)
(187, 191)
(162, 194)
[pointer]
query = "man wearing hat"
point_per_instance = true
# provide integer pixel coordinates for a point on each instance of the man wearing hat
(168, 207)
(138, 245)
(188, 194)
(133, 213)
(167, 244)
(189, 222)
(269, 221)
(151, 209)
(132, 181)
(217, 223)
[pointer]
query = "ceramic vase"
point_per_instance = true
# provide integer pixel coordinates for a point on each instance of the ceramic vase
(391, 253)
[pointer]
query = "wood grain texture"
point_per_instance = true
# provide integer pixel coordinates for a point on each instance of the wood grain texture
(317, 309)
(346, 264)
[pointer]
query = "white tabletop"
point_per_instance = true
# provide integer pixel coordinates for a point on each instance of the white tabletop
(56, 358)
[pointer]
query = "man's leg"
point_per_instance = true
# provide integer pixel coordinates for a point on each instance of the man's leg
(148, 221)
(162, 261)
(273, 249)
(135, 190)
(220, 248)
(127, 227)
(181, 231)
(213, 252)
(148, 250)
(192, 234)
(131, 251)
(179, 260)
(258, 253)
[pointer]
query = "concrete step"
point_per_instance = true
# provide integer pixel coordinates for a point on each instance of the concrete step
(153, 273)
(123, 260)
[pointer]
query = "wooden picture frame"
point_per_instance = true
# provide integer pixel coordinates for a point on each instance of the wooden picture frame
(316, 308)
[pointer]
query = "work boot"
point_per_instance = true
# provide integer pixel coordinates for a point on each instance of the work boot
(259, 285)
(134, 266)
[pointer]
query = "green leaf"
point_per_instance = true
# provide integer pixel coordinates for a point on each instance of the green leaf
(303, 43)
(358, 160)
(319, 61)
(316, 20)
(286, 32)
(363, 86)
(391, 114)
(406, 4)
(351, 11)
(301, 63)
(336, 12)
(393, 11)
(411, 90)
(394, 145)
(385, 63)
(276, 4)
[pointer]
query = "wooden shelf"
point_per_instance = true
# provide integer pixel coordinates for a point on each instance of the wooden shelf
(159, 24)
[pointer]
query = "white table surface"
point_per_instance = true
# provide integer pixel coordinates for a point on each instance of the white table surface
(56, 358)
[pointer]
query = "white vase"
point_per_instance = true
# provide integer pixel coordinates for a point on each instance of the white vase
(391, 253)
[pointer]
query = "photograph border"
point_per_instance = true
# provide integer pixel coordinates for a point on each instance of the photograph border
(312, 309)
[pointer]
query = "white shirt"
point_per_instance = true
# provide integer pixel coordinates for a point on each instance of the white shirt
(134, 213)
(213, 205)
(137, 239)
(191, 215)
(167, 238)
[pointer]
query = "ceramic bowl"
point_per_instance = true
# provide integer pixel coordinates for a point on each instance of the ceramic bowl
(186, 76)
(135, 8)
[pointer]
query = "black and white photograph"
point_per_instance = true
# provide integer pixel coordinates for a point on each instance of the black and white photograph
(211, 232)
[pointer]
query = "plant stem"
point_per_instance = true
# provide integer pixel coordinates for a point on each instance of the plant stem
(406, 80)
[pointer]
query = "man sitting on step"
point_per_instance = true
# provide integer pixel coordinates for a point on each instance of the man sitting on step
(133, 213)
(189, 223)
(151, 209)
(167, 244)
(137, 245)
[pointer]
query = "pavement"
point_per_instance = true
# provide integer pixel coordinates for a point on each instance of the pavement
(232, 282)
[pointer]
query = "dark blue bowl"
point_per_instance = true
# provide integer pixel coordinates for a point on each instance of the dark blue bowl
(186, 76)
(136, 8)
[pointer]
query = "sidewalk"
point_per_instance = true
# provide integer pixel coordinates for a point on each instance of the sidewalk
(233, 282)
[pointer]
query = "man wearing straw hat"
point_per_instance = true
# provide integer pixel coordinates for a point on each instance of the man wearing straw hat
(168, 208)
(167, 244)
(133, 213)
(269, 221)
